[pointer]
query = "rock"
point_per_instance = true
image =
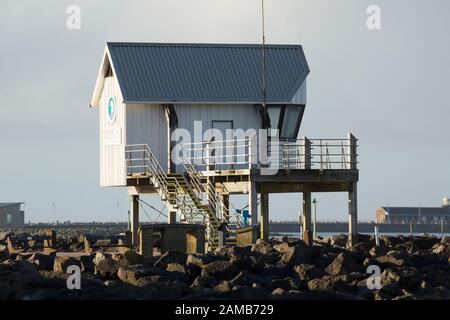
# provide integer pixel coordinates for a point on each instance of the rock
(4, 235)
(262, 247)
(220, 270)
(245, 278)
(296, 255)
(171, 256)
(441, 248)
(436, 275)
(192, 272)
(393, 258)
(423, 243)
(308, 272)
(200, 260)
(332, 283)
(63, 262)
(285, 284)
(279, 270)
(223, 286)
(279, 292)
(43, 261)
(390, 242)
(205, 282)
(393, 279)
(176, 267)
(343, 264)
(130, 257)
(16, 278)
(139, 275)
(405, 296)
(87, 263)
(376, 251)
(250, 263)
(107, 267)
(4, 255)
(101, 256)
(338, 240)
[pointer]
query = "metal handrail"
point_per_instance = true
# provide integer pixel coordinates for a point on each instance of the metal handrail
(324, 154)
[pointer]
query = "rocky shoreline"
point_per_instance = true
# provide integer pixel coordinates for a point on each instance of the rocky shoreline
(410, 268)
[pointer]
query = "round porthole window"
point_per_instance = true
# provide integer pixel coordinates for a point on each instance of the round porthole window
(111, 109)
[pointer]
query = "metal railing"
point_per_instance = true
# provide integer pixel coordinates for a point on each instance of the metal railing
(299, 154)
(188, 199)
(141, 161)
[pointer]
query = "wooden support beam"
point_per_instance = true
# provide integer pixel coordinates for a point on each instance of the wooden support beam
(253, 202)
(265, 216)
(135, 219)
(307, 233)
(172, 217)
(352, 215)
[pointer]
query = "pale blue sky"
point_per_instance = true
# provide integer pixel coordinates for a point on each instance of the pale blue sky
(389, 87)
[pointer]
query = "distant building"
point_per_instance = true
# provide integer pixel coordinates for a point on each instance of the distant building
(428, 215)
(11, 215)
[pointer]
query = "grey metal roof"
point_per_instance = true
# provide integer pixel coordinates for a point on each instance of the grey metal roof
(9, 204)
(414, 211)
(224, 73)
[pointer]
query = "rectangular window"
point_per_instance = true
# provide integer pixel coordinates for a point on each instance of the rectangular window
(274, 116)
(9, 218)
(292, 117)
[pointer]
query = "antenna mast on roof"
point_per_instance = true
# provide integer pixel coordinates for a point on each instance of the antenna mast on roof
(264, 89)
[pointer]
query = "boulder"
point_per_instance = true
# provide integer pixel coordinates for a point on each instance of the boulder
(332, 283)
(139, 275)
(16, 278)
(343, 264)
(423, 243)
(62, 263)
(245, 278)
(337, 240)
(223, 286)
(436, 275)
(441, 248)
(199, 260)
(171, 256)
(4, 235)
(262, 247)
(250, 263)
(394, 279)
(87, 263)
(296, 255)
(308, 272)
(220, 270)
(4, 255)
(205, 282)
(107, 267)
(393, 258)
(43, 261)
(130, 257)
(176, 267)
(285, 284)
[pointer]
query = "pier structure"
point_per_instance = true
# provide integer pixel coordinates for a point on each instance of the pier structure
(166, 112)
(300, 166)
